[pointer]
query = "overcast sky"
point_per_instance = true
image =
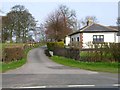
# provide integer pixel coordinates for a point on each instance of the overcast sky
(106, 12)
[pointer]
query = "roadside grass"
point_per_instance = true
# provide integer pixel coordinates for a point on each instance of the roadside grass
(93, 66)
(12, 65)
(18, 63)
(92, 54)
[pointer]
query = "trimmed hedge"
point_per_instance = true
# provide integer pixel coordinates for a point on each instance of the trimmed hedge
(14, 53)
(72, 53)
(59, 49)
(105, 53)
(52, 45)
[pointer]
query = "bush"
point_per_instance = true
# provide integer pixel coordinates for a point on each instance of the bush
(106, 52)
(115, 51)
(47, 53)
(13, 53)
(52, 45)
(72, 53)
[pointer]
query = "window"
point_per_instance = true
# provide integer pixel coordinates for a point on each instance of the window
(72, 39)
(78, 39)
(98, 38)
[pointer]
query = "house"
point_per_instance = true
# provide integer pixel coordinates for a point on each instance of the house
(67, 40)
(93, 33)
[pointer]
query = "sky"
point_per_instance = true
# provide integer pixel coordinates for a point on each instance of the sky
(105, 11)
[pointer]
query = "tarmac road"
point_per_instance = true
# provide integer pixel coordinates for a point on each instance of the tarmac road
(41, 72)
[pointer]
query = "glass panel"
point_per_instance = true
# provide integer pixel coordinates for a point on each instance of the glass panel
(98, 36)
(101, 36)
(94, 36)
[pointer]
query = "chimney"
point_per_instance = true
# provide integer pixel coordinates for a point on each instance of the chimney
(89, 22)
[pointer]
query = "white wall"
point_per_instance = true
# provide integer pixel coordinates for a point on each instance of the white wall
(75, 37)
(67, 40)
(118, 39)
(108, 37)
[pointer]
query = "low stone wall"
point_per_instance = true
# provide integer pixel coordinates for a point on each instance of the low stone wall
(67, 52)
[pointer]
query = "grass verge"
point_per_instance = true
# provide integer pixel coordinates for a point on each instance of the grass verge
(12, 65)
(15, 64)
(93, 66)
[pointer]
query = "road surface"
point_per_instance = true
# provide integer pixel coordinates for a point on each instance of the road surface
(40, 71)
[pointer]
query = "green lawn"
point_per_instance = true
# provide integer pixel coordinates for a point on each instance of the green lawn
(94, 66)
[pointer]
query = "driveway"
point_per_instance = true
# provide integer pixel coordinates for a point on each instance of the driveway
(41, 71)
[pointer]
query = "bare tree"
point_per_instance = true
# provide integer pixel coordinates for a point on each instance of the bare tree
(60, 23)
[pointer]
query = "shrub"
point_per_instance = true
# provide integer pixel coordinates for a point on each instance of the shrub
(12, 53)
(102, 52)
(115, 51)
(47, 53)
(52, 45)
(72, 53)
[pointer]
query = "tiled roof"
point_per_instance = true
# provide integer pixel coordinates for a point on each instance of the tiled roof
(98, 28)
(95, 28)
(116, 27)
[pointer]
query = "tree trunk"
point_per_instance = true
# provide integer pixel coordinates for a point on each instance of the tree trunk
(11, 37)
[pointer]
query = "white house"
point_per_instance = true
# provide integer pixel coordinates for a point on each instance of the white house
(67, 40)
(93, 33)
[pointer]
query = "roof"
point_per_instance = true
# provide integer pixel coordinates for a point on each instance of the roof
(95, 28)
(116, 27)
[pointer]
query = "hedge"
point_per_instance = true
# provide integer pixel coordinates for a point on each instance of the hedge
(52, 45)
(13, 53)
(107, 52)
(72, 53)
